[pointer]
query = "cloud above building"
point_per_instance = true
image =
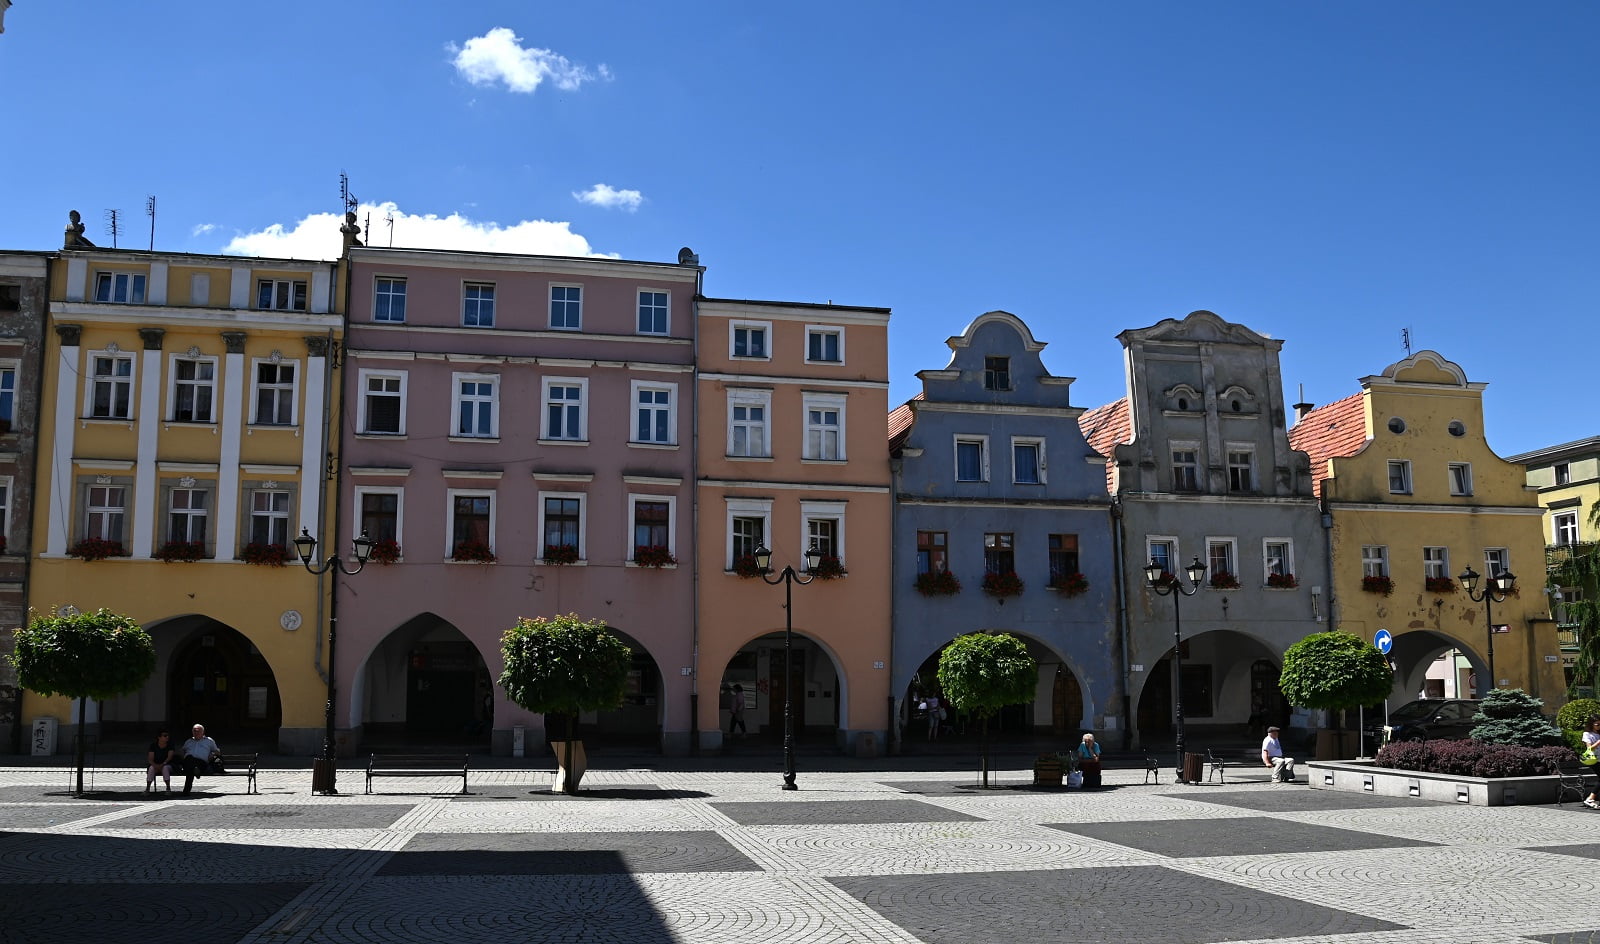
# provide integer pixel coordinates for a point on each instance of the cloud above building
(317, 235)
(498, 56)
(610, 198)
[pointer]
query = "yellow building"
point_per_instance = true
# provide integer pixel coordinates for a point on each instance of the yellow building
(1567, 479)
(183, 442)
(1416, 498)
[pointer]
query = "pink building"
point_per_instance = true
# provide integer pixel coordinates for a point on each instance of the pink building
(519, 428)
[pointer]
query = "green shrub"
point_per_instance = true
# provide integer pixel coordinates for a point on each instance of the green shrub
(1575, 714)
(1512, 716)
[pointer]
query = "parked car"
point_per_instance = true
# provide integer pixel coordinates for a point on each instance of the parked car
(1430, 719)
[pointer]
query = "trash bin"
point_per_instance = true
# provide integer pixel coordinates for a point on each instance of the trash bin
(324, 776)
(43, 737)
(1194, 768)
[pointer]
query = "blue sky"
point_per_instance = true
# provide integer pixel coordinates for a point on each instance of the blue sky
(1328, 174)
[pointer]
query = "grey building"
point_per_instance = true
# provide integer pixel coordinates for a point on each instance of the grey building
(1202, 468)
(997, 494)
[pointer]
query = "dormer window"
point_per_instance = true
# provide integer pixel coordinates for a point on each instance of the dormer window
(997, 373)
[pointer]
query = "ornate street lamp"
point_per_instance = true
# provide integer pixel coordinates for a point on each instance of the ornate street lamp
(325, 771)
(1495, 591)
(788, 578)
(1165, 584)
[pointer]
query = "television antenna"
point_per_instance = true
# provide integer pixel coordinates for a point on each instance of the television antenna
(1405, 340)
(345, 196)
(113, 226)
(150, 211)
(389, 218)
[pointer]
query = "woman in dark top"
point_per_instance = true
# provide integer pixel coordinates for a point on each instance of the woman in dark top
(161, 758)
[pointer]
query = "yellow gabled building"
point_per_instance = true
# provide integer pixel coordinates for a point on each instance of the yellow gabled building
(1567, 480)
(1415, 497)
(183, 443)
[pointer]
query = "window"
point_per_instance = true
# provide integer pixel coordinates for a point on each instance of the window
(471, 522)
(566, 307)
(269, 517)
(561, 524)
(380, 513)
(476, 396)
(1221, 558)
(1277, 558)
(824, 426)
(10, 297)
(823, 525)
(389, 300)
(1374, 560)
(1063, 556)
(652, 312)
(477, 304)
(1566, 527)
(111, 386)
(997, 373)
(1241, 469)
(275, 389)
(972, 459)
(822, 534)
(1563, 473)
(194, 384)
(564, 412)
(933, 552)
(1567, 614)
(747, 423)
(749, 523)
(125, 287)
(383, 402)
(1496, 560)
(5, 509)
(748, 534)
(1435, 562)
(281, 294)
(106, 511)
(186, 515)
(652, 524)
(1027, 461)
(1185, 468)
(999, 553)
(8, 394)
(1399, 477)
(824, 345)
(654, 419)
(749, 339)
(1461, 478)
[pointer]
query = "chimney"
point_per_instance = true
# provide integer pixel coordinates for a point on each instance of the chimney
(1302, 408)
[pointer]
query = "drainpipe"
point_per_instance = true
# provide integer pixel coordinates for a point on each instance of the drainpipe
(694, 520)
(1327, 552)
(891, 738)
(1119, 573)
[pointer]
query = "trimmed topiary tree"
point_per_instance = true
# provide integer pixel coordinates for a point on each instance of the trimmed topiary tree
(1334, 671)
(95, 655)
(1512, 716)
(561, 666)
(983, 673)
(1575, 714)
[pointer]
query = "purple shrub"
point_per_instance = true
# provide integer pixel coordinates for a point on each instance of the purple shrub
(1468, 758)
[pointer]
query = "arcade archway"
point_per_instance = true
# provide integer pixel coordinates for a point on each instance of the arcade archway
(1059, 708)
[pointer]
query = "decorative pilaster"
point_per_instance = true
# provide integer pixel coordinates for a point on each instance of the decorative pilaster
(234, 399)
(152, 338)
(68, 367)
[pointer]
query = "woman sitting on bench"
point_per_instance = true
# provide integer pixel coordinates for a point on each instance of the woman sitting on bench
(198, 756)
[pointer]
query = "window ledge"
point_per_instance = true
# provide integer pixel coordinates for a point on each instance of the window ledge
(185, 424)
(839, 461)
(748, 458)
(563, 442)
(127, 421)
(1273, 589)
(254, 428)
(380, 435)
(652, 445)
(747, 357)
(451, 560)
(637, 566)
(474, 439)
(838, 363)
(537, 562)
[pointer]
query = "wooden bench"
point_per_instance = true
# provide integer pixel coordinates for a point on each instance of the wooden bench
(233, 765)
(418, 765)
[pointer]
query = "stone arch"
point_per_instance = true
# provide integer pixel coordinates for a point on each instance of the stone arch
(1415, 656)
(1220, 667)
(424, 681)
(820, 686)
(1064, 699)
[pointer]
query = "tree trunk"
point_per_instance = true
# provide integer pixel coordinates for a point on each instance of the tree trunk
(570, 787)
(983, 746)
(83, 710)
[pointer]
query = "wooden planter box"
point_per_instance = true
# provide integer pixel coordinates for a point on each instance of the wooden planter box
(1364, 776)
(1047, 771)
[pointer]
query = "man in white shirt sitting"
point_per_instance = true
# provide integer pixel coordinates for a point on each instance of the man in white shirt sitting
(196, 755)
(1272, 756)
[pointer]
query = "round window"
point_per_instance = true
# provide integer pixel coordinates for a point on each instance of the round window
(1397, 425)
(1458, 428)
(1183, 404)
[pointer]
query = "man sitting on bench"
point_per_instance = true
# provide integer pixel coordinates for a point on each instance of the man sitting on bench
(1272, 756)
(197, 756)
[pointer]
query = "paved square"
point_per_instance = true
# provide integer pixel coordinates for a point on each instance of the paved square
(219, 913)
(1273, 798)
(839, 813)
(50, 858)
(613, 853)
(1246, 835)
(1130, 905)
(53, 814)
(263, 816)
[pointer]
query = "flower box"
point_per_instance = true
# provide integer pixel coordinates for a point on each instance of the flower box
(559, 554)
(475, 552)
(1364, 776)
(653, 555)
(745, 566)
(828, 568)
(1006, 584)
(1282, 581)
(1070, 585)
(1222, 580)
(1383, 585)
(265, 555)
(1439, 585)
(180, 552)
(93, 549)
(385, 552)
(938, 583)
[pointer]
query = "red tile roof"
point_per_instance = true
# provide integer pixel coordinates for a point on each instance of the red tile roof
(1105, 427)
(900, 420)
(1336, 430)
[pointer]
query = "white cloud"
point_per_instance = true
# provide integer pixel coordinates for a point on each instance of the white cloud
(499, 56)
(602, 195)
(203, 228)
(317, 235)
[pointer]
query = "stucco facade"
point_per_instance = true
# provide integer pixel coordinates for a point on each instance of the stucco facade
(537, 410)
(790, 428)
(993, 475)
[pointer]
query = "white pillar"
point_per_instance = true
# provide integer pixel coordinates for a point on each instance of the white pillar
(149, 425)
(68, 373)
(233, 405)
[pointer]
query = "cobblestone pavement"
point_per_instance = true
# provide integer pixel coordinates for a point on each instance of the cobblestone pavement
(651, 856)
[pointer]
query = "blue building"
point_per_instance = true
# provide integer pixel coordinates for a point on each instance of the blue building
(1002, 524)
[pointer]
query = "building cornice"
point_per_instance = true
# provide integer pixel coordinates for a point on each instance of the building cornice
(376, 258)
(98, 313)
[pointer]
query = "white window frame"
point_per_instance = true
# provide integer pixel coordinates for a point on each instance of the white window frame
(256, 387)
(1266, 561)
(1232, 545)
(639, 309)
(304, 284)
(1037, 442)
(90, 510)
(14, 368)
(456, 399)
(1403, 466)
(404, 293)
(1435, 565)
(1496, 557)
(493, 300)
(1562, 472)
(551, 296)
(451, 494)
(361, 491)
(135, 293)
(172, 387)
(131, 380)
(362, 426)
(745, 508)
(837, 331)
(287, 517)
(1460, 479)
(1175, 556)
(823, 401)
(822, 511)
(583, 525)
(982, 442)
(6, 496)
(205, 512)
(671, 501)
(1374, 560)
(1556, 520)
(545, 433)
(766, 339)
(641, 386)
(1249, 466)
(748, 398)
(1177, 446)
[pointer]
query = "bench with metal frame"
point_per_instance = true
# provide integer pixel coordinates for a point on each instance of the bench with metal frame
(1577, 782)
(419, 765)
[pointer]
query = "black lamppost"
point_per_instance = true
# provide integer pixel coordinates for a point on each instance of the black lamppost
(788, 578)
(324, 774)
(1166, 584)
(1495, 591)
